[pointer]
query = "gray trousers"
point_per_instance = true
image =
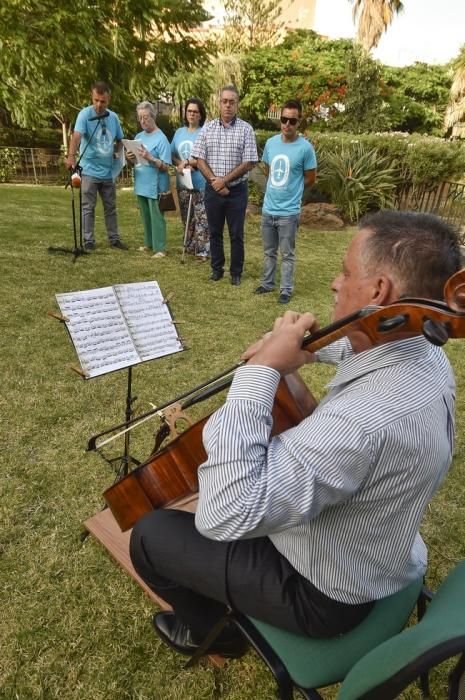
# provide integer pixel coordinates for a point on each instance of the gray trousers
(107, 190)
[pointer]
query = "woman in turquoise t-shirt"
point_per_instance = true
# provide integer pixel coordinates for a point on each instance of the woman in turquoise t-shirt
(198, 239)
(156, 154)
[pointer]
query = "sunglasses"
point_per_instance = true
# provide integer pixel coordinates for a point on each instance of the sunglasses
(192, 111)
(289, 120)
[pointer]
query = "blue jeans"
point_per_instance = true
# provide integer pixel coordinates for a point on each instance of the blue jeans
(278, 233)
(231, 209)
(107, 191)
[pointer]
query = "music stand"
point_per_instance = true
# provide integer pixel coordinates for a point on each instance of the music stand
(123, 462)
(78, 249)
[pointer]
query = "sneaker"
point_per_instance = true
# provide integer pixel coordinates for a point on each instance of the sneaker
(235, 280)
(144, 249)
(216, 275)
(262, 290)
(119, 244)
(89, 245)
(160, 254)
(284, 298)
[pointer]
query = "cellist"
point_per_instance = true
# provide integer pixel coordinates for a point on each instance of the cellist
(307, 529)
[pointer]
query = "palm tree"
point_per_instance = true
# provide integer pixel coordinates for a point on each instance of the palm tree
(374, 17)
(455, 111)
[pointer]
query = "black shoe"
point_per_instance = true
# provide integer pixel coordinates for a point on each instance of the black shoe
(262, 290)
(284, 298)
(230, 643)
(89, 245)
(119, 244)
(216, 275)
(235, 280)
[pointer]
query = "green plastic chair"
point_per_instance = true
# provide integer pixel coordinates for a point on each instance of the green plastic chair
(305, 663)
(440, 634)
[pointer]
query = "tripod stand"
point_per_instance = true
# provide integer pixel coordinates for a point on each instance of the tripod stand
(75, 182)
(78, 248)
(122, 464)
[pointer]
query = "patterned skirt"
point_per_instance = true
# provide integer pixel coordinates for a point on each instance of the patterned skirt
(198, 237)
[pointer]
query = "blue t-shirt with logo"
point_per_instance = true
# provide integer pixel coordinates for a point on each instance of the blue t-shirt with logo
(97, 147)
(287, 163)
(148, 180)
(181, 147)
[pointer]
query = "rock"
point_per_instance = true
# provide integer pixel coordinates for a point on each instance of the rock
(321, 215)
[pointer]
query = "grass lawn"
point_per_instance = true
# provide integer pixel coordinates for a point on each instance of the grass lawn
(74, 626)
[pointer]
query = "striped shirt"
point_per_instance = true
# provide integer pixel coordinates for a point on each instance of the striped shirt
(226, 147)
(342, 494)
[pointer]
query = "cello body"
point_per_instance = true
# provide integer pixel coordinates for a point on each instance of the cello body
(171, 473)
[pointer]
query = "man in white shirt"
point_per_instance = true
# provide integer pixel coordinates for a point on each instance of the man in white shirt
(306, 529)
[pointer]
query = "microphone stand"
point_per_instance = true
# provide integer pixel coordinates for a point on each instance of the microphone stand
(78, 249)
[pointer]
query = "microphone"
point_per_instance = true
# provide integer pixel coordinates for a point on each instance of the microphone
(99, 116)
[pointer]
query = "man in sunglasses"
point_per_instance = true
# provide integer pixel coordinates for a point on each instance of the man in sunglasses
(225, 151)
(290, 165)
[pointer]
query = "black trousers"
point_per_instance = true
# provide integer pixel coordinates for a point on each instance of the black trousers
(200, 577)
(230, 208)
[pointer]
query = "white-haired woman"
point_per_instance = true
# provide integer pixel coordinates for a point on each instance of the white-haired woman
(151, 178)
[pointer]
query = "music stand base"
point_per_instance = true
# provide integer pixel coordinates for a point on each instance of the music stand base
(75, 252)
(123, 465)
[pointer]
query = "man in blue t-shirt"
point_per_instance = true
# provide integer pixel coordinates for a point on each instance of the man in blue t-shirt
(95, 133)
(290, 165)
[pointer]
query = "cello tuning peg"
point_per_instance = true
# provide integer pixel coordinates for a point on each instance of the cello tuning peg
(390, 324)
(435, 331)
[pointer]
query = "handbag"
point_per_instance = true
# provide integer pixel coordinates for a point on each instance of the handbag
(166, 201)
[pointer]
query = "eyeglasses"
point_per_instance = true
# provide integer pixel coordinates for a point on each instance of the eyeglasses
(289, 120)
(224, 101)
(192, 111)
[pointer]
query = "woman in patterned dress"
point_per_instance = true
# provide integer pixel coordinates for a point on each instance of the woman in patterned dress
(198, 239)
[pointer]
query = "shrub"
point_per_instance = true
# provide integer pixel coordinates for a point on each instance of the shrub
(10, 158)
(30, 138)
(262, 137)
(419, 160)
(256, 193)
(357, 178)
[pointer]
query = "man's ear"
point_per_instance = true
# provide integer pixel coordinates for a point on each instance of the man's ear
(383, 291)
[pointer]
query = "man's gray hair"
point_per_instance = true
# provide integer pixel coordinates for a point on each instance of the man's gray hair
(230, 88)
(420, 251)
(149, 106)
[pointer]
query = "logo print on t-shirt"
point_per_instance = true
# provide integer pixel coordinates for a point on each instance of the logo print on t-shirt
(184, 150)
(104, 141)
(279, 170)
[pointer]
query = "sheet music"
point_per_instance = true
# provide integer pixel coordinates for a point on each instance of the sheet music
(118, 165)
(133, 147)
(185, 179)
(148, 318)
(116, 327)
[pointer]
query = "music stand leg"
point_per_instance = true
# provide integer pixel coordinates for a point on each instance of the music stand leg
(126, 460)
(78, 248)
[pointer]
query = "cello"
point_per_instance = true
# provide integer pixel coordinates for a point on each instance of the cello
(171, 473)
